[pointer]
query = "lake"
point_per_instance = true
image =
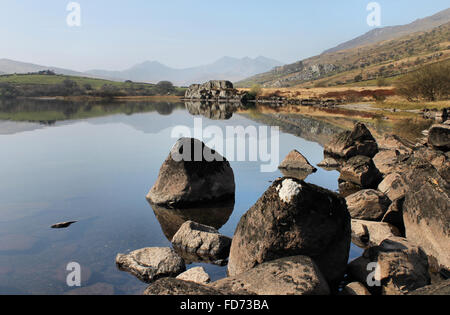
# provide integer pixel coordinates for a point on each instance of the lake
(95, 163)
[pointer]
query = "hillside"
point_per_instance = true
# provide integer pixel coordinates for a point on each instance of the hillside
(386, 59)
(393, 32)
(8, 66)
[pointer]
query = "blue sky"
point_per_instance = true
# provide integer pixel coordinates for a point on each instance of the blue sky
(117, 34)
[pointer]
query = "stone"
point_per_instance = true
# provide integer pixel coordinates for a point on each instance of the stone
(347, 188)
(426, 212)
(348, 144)
(294, 218)
(297, 275)
(355, 288)
(63, 225)
(393, 186)
(192, 174)
(361, 171)
(197, 275)
(402, 267)
(213, 90)
(394, 143)
(172, 286)
(202, 240)
(440, 288)
(296, 161)
(390, 161)
(368, 233)
(368, 205)
(439, 137)
(394, 215)
(150, 264)
(440, 160)
(329, 163)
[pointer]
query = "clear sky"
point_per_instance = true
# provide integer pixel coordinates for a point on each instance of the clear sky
(116, 34)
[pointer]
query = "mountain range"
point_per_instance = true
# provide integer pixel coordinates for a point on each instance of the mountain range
(226, 68)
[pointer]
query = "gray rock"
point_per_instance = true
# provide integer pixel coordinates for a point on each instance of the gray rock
(150, 264)
(368, 233)
(213, 90)
(439, 137)
(402, 267)
(297, 275)
(394, 143)
(390, 161)
(197, 275)
(368, 205)
(192, 174)
(294, 218)
(393, 186)
(202, 240)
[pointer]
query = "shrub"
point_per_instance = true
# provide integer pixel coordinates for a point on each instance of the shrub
(255, 90)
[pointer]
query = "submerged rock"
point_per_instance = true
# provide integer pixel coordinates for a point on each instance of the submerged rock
(197, 275)
(294, 218)
(402, 267)
(150, 264)
(297, 275)
(202, 240)
(348, 144)
(296, 161)
(360, 170)
(193, 173)
(368, 205)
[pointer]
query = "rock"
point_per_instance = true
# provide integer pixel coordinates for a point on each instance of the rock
(202, 240)
(368, 205)
(391, 161)
(368, 233)
(150, 264)
(440, 288)
(298, 174)
(213, 90)
(187, 177)
(394, 215)
(294, 218)
(297, 275)
(172, 286)
(393, 186)
(355, 288)
(63, 225)
(347, 189)
(296, 161)
(329, 163)
(426, 211)
(402, 267)
(348, 144)
(394, 143)
(210, 214)
(197, 275)
(361, 171)
(439, 137)
(440, 160)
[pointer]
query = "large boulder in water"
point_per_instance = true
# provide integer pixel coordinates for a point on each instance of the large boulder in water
(297, 275)
(348, 144)
(216, 89)
(426, 211)
(294, 218)
(192, 174)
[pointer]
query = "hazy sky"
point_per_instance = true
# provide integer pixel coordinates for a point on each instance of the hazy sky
(117, 34)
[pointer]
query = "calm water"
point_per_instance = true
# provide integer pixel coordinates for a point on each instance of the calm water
(98, 171)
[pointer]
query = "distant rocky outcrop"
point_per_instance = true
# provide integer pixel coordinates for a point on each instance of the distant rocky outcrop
(214, 91)
(192, 174)
(294, 218)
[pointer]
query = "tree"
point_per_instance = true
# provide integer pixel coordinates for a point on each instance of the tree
(165, 87)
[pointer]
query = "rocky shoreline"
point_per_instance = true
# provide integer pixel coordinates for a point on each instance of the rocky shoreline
(394, 202)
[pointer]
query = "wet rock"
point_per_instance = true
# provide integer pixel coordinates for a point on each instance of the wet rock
(368, 205)
(440, 288)
(426, 211)
(393, 186)
(361, 171)
(329, 163)
(172, 286)
(294, 218)
(402, 267)
(297, 275)
(348, 144)
(197, 275)
(215, 215)
(355, 288)
(368, 233)
(192, 174)
(439, 137)
(63, 225)
(150, 264)
(202, 240)
(296, 161)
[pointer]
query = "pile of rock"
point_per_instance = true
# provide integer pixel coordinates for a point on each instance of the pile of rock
(215, 91)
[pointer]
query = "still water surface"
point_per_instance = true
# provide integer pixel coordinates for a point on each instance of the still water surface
(98, 171)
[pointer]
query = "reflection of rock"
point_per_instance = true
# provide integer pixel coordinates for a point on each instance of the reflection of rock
(298, 174)
(192, 174)
(215, 111)
(215, 215)
(202, 240)
(150, 264)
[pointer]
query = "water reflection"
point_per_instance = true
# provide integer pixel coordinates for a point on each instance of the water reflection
(211, 110)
